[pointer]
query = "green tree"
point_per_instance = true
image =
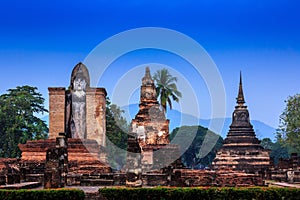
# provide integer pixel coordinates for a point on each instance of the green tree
(166, 88)
(278, 150)
(116, 135)
(192, 157)
(18, 122)
(288, 132)
(267, 143)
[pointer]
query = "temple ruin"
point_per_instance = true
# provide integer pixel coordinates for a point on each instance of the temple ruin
(75, 152)
(78, 111)
(77, 114)
(241, 150)
(151, 129)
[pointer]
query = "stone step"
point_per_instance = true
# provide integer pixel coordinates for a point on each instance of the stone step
(34, 178)
(96, 182)
(100, 176)
(25, 185)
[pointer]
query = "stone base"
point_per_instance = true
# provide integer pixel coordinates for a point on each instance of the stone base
(83, 156)
(195, 178)
(155, 179)
(248, 160)
(157, 157)
(34, 178)
(286, 175)
(97, 180)
(238, 179)
(9, 171)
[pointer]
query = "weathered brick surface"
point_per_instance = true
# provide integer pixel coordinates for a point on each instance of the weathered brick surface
(287, 170)
(56, 111)
(95, 114)
(9, 171)
(54, 168)
(241, 150)
(152, 130)
(156, 157)
(60, 113)
(150, 123)
(83, 155)
(193, 178)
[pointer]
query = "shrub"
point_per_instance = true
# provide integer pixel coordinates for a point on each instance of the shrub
(64, 194)
(163, 193)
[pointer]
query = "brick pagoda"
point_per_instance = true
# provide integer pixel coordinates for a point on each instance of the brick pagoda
(241, 150)
(151, 128)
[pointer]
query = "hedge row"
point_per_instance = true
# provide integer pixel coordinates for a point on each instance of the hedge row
(63, 194)
(201, 193)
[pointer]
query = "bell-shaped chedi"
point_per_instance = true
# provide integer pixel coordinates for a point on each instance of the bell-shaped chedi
(150, 123)
(241, 149)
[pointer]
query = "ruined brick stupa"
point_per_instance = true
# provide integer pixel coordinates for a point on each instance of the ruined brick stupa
(241, 150)
(151, 129)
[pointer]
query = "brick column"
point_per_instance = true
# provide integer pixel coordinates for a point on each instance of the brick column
(57, 99)
(95, 115)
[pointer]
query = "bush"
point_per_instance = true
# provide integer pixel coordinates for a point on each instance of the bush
(200, 193)
(64, 194)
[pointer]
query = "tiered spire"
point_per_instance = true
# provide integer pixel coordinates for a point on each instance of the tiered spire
(241, 149)
(150, 115)
(147, 80)
(240, 116)
(240, 99)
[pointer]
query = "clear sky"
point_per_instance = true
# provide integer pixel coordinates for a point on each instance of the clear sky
(41, 41)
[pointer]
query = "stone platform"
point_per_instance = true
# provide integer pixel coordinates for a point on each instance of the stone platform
(18, 186)
(195, 178)
(9, 171)
(157, 157)
(84, 156)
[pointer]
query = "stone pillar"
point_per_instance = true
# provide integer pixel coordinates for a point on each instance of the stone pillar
(95, 114)
(57, 98)
(133, 165)
(56, 167)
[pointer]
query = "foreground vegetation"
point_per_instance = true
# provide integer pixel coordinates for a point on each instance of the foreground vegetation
(41, 194)
(255, 193)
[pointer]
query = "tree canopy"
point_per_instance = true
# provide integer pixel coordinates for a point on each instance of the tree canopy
(278, 150)
(192, 157)
(288, 132)
(166, 88)
(18, 121)
(116, 135)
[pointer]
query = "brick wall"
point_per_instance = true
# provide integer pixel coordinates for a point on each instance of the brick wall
(95, 114)
(57, 97)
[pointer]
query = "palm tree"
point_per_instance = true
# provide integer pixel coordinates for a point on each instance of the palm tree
(166, 88)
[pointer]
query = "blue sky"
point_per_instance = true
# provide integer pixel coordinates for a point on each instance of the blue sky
(41, 41)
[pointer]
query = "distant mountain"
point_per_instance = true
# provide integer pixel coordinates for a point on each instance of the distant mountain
(178, 119)
(261, 129)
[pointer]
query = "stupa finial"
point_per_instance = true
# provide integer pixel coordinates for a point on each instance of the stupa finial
(147, 80)
(240, 99)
